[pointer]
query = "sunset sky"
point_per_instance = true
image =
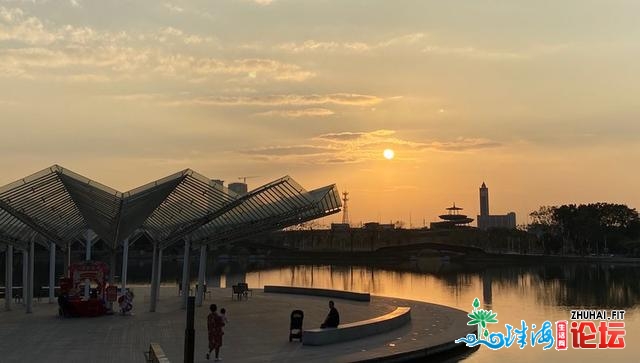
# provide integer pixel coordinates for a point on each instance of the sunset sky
(539, 99)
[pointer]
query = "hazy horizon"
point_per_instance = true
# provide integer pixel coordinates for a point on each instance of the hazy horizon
(536, 99)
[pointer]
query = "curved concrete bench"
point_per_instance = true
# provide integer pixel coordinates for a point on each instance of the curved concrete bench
(340, 294)
(156, 354)
(358, 329)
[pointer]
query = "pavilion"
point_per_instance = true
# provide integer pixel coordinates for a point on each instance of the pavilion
(55, 207)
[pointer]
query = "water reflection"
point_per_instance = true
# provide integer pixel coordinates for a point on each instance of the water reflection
(603, 286)
(534, 293)
(570, 285)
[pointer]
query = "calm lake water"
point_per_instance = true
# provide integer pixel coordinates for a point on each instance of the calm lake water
(530, 293)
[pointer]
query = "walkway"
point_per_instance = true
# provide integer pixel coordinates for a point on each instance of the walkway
(257, 330)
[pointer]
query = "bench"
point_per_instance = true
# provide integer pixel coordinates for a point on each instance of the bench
(205, 292)
(16, 293)
(358, 329)
(245, 287)
(156, 354)
(238, 291)
(340, 294)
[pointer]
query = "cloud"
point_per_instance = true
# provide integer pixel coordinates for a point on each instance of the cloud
(352, 136)
(16, 25)
(472, 52)
(463, 144)
(117, 62)
(171, 35)
(119, 55)
(173, 8)
(358, 147)
(136, 97)
(415, 41)
(296, 150)
(342, 99)
(306, 112)
(357, 47)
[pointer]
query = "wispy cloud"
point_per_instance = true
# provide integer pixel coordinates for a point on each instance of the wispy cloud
(353, 136)
(358, 147)
(263, 2)
(297, 150)
(462, 144)
(353, 46)
(305, 112)
(418, 42)
(119, 54)
(173, 8)
(129, 62)
(472, 52)
(342, 99)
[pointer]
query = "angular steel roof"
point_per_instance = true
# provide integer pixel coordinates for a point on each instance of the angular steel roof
(58, 205)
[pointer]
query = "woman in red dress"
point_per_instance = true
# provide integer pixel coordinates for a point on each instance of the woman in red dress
(214, 326)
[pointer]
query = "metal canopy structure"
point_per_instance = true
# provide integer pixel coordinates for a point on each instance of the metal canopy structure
(58, 206)
(277, 205)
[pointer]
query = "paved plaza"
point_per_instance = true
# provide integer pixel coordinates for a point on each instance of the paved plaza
(257, 331)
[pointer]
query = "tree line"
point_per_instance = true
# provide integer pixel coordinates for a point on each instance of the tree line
(596, 228)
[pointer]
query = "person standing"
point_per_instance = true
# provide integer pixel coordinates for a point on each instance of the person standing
(333, 318)
(214, 328)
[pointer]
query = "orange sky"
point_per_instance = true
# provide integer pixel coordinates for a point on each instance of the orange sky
(539, 100)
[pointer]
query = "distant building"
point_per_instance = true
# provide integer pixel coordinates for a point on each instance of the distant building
(452, 219)
(340, 226)
(375, 226)
(238, 188)
(387, 226)
(486, 220)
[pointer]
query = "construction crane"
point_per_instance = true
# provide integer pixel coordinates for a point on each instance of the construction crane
(244, 178)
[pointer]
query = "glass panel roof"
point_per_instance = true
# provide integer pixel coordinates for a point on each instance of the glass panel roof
(58, 205)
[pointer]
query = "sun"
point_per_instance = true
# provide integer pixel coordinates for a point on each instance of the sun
(388, 154)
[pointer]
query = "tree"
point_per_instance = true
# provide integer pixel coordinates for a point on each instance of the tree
(586, 228)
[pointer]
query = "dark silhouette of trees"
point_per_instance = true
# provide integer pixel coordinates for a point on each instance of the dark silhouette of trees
(596, 228)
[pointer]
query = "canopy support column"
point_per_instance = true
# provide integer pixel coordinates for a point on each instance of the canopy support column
(201, 274)
(159, 273)
(29, 287)
(67, 260)
(112, 273)
(87, 258)
(8, 276)
(154, 279)
(52, 271)
(25, 274)
(125, 261)
(185, 273)
(112, 266)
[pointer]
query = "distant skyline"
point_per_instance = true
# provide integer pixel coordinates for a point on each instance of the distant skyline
(537, 99)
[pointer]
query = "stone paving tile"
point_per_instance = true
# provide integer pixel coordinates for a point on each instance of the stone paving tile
(257, 331)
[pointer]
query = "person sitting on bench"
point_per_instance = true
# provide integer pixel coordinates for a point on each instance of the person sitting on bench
(333, 318)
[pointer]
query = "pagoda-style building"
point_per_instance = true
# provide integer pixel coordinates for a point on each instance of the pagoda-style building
(452, 219)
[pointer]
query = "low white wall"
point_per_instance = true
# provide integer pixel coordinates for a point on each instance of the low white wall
(340, 294)
(359, 329)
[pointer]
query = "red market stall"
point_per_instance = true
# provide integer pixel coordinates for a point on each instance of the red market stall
(73, 301)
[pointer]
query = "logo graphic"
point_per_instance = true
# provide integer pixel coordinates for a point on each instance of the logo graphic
(481, 317)
(606, 334)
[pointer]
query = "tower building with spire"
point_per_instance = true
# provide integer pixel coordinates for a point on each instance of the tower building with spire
(487, 220)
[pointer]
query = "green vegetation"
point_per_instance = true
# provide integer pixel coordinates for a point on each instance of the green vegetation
(597, 228)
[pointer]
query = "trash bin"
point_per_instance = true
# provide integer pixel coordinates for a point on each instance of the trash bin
(295, 328)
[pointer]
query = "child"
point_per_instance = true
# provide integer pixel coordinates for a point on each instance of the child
(223, 315)
(126, 302)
